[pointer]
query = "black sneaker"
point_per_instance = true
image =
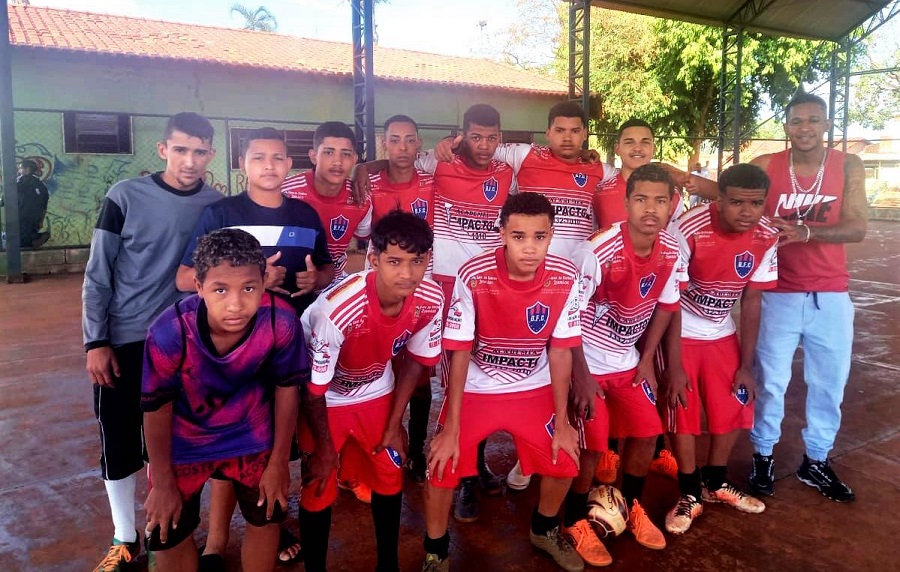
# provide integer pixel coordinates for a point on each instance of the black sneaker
(490, 484)
(466, 509)
(820, 476)
(762, 475)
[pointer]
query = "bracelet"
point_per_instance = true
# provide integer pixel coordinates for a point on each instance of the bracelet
(808, 232)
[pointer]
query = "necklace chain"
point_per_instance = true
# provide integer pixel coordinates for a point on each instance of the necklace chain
(815, 188)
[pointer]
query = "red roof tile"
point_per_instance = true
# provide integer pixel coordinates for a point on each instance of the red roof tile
(68, 30)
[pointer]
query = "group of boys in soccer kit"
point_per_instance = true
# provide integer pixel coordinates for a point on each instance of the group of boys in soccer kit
(551, 291)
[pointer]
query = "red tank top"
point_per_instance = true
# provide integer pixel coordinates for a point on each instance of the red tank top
(812, 266)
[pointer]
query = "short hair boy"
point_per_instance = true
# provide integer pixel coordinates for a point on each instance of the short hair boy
(298, 262)
(328, 190)
(354, 406)
(289, 230)
(630, 279)
(143, 227)
(220, 398)
(511, 326)
(729, 249)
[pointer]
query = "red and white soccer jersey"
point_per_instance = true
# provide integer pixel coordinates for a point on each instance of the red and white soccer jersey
(415, 196)
(352, 343)
(620, 291)
(467, 204)
(609, 203)
(341, 217)
(719, 266)
(569, 187)
(515, 320)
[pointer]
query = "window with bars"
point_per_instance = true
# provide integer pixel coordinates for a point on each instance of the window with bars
(97, 133)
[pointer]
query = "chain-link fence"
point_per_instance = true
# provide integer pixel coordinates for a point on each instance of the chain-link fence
(79, 161)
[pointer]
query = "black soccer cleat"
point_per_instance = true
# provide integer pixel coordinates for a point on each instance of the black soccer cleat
(820, 476)
(762, 475)
(466, 509)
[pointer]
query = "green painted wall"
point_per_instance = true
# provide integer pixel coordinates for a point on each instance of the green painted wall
(45, 84)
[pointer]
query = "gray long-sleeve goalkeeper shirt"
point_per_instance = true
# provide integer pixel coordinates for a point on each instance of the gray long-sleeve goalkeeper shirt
(140, 237)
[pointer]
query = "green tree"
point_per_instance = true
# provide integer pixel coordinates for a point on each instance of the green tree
(875, 98)
(666, 72)
(260, 19)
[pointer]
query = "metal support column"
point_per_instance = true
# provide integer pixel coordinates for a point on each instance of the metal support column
(841, 60)
(580, 54)
(839, 92)
(8, 154)
(730, 94)
(363, 78)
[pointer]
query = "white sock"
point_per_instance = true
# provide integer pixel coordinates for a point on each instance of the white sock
(121, 504)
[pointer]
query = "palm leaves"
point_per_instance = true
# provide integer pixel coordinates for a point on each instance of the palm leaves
(260, 19)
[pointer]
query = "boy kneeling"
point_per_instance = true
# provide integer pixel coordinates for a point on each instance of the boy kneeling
(214, 364)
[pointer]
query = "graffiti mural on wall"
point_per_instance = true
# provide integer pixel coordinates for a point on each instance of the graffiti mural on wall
(77, 185)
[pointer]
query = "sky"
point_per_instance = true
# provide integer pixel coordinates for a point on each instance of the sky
(439, 26)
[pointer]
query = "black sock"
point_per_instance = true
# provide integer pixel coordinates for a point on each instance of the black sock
(439, 546)
(714, 476)
(575, 508)
(541, 525)
(689, 483)
(314, 531)
(660, 445)
(482, 463)
(419, 410)
(386, 517)
(632, 487)
(613, 445)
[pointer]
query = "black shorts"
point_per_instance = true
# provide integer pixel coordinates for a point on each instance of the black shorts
(118, 412)
(244, 473)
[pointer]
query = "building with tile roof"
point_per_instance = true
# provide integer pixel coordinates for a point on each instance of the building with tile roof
(92, 93)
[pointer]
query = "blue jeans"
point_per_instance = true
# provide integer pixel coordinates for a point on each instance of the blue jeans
(823, 323)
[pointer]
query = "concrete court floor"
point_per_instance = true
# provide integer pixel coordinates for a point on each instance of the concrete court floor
(54, 516)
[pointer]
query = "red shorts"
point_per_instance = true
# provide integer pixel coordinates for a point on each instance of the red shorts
(528, 416)
(632, 410)
(596, 431)
(710, 367)
(355, 432)
(244, 472)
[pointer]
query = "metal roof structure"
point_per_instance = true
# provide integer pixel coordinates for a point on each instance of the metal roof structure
(844, 23)
(820, 20)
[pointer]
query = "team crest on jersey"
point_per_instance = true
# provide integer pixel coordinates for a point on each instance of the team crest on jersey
(645, 284)
(743, 263)
(490, 187)
(550, 425)
(339, 226)
(742, 395)
(400, 342)
(537, 316)
(580, 179)
(419, 207)
(648, 391)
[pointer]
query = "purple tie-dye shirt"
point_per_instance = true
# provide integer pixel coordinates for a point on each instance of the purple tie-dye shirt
(223, 404)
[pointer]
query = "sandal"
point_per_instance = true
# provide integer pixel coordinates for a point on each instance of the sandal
(286, 542)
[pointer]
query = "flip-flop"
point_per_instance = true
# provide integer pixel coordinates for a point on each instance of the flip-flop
(286, 541)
